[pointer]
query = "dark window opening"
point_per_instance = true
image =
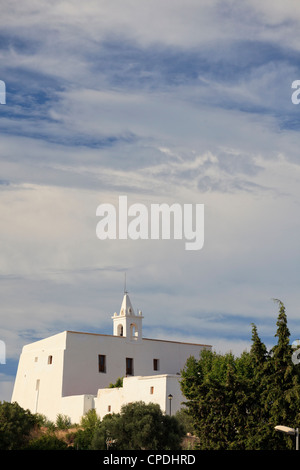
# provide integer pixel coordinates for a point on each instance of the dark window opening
(102, 363)
(129, 366)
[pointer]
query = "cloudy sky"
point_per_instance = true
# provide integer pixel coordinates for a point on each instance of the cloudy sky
(169, 101)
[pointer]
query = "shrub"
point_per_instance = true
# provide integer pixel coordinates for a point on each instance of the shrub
(16, 425)
(63, 421)
(47, 442)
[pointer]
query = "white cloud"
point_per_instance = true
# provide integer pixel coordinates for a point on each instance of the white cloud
(165, 101)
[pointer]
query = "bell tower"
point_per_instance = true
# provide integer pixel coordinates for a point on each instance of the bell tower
(127, 323)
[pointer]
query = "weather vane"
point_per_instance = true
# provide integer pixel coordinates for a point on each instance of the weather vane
(125, 290)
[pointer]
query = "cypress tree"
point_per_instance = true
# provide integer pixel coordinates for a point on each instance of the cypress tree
(237, 402)
(258, 351)
(283, 391)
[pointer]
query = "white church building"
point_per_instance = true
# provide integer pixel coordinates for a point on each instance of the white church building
(69, 373)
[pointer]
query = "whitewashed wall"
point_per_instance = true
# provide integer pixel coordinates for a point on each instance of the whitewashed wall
(153, 389)
(66, 383)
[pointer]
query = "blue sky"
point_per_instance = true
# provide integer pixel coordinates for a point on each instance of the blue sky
(162, 101)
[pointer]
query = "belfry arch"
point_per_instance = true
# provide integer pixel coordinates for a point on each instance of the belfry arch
(134, 333)
(120, 330)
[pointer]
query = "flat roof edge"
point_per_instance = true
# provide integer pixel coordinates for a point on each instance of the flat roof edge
(144, 339)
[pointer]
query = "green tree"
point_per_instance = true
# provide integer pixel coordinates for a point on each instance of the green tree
(217, 399)
(236, 402)
(83, 437)
(47, 442)
(255, 370)
(16, 425)
(185, 420)
(118, 384)
(139, 426)
(281, 396)
(90, 420)
(107, 434)
(63, 421)
(259, 353)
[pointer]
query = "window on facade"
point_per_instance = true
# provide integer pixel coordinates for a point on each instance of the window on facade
(151, 390)
(109, 408)
(129, 366)
(155, 364)
(102, 363)
(50, 358)
(36, 359)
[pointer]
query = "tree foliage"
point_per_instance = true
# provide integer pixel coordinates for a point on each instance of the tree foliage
(47, 442)
(236, 402)
(117, 384)
(15, 426)
(138, 426)
(89, 424)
